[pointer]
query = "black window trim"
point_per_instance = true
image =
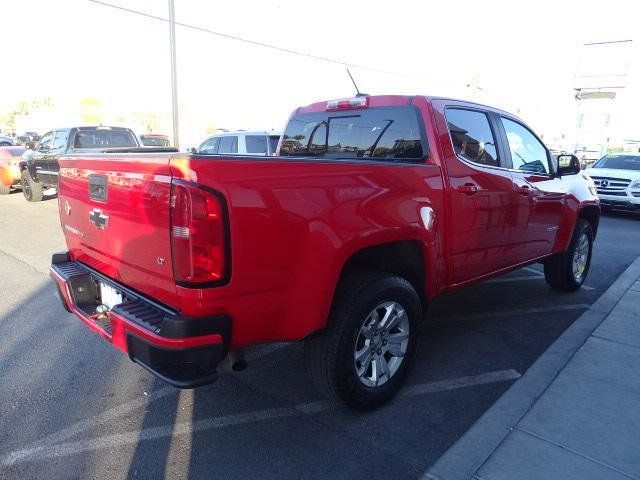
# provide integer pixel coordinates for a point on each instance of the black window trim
(426, 151)
(501, 166)
(507, 149)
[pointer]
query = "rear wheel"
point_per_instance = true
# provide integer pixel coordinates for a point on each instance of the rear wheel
(363, 356)
(566, 271)
(31, 189)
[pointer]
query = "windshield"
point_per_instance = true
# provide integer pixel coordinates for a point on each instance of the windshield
(619, 162)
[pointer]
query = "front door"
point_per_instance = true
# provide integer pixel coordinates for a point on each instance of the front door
(539, 194)
(40, 158)
(481, 194)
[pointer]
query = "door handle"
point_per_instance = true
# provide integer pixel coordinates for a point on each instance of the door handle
(468, 188)
(523, 189)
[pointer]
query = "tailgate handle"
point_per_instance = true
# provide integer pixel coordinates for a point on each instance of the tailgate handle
(98, 187)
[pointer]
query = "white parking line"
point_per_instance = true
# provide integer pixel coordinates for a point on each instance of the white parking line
(107, 416)
(190, 427)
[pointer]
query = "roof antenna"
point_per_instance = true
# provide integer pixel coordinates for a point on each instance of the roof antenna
(358, 94)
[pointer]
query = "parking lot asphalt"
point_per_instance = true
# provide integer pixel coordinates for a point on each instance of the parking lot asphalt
(71, 406)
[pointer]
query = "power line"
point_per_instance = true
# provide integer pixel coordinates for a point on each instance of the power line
(267, 45)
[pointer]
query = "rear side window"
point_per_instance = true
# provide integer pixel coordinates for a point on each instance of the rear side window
(273, 142)
(386, 133)
(471, 136)
(256, 143)
(228, 145)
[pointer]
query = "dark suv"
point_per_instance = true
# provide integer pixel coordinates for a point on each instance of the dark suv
(39, 168)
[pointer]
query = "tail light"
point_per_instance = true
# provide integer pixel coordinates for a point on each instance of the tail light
(198, 235)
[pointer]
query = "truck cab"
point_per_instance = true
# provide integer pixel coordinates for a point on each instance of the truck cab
(40, 168)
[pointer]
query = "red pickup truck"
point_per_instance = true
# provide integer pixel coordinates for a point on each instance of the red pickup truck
(373, 206)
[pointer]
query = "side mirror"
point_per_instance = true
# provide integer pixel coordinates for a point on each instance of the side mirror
(193, 150)
(568, 165)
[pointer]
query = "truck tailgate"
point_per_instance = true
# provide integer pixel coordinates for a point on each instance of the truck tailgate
(115, 215)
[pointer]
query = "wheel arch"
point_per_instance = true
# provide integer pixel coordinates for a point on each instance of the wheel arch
(591, 213)
(405, 258)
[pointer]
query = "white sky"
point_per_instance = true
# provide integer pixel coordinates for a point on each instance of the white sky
(524, 54)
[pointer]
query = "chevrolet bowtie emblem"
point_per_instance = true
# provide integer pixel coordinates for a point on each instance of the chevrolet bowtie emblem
(98, 218)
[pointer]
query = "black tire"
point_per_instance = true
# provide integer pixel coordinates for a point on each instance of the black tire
(31, 189)
(330, 356)
(559, 270)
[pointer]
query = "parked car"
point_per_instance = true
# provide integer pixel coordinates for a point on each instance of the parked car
(6, 141)
(28, 139)
(241, 142)
(9, 168)
(617, 178)
(39, 171)
(374, 206)
(155, 140)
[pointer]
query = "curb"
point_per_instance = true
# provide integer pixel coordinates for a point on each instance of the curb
(470, 452)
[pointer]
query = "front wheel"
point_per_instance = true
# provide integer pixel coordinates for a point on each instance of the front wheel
(31, 189)
(363, 356)
(566, 271)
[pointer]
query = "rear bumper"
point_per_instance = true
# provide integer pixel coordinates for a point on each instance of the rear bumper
(183, 351)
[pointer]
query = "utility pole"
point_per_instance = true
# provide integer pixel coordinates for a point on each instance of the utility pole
(174, 74)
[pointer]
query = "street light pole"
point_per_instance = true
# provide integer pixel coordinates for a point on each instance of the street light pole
(174, 73)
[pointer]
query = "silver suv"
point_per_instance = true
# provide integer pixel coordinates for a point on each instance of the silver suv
(241, 142)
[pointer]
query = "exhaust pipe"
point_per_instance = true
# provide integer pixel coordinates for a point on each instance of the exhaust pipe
(237, 361)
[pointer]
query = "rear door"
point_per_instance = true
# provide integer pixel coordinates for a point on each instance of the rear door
(481, 191)
(114, 211)
(228, 145)
(539, 195)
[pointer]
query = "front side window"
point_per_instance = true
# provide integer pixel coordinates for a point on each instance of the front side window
(228, 145)
(210, 146)
(527, 152)
(60, 140)
(471, 136)
(45, 141)
(385, 133)
(256, 143)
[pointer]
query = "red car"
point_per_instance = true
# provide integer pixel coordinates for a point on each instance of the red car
(9, 169)
(374, 206)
